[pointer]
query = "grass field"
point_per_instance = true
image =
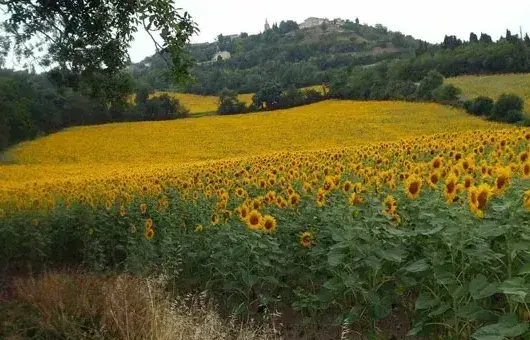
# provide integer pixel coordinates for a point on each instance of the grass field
(495, 85)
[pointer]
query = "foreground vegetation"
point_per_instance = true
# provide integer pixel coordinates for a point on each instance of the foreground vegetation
(434, 227)
(69, 305)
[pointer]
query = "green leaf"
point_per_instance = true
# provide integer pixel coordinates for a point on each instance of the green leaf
(418, 266)
(426, 301)
(525, 269)
(440, 310)
(333, 284)
(515, 288)
(508, 326)
(480, 288)
(491, 230)
(394, 255)
(336, 255)
(416, 329)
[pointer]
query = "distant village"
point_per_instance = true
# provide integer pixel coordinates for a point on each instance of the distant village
(308, 23)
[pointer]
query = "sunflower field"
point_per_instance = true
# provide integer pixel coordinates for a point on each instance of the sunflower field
(435, 227)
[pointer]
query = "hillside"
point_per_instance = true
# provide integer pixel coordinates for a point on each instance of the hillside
(285, 53)
(494, 85)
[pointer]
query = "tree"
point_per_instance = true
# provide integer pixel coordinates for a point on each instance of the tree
(94, 36)
(288, 26)
(507, 103)
(473, 38)
(480, 106)
(229, 104)
(451, 42)
(431, 82)
(357, 21)
(268, 96)
(527, 40)
(485, 38)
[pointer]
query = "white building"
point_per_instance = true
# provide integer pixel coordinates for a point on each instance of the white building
(312, 22)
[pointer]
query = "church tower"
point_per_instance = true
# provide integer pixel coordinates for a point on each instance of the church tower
(267, 26)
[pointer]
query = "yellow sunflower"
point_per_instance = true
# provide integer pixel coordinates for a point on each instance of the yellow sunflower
(306, 239)
(502, 180)
(479, 198)
(149, 234)
(413, 186)
(143, 208)
(450, 188)
(268, 224)
(526, 202)
(199, 228)
(149, 224)
(347, 186)
(390, 205)
(355, 199)
(254, 219)
(243, 212)
(294, 199)
(525, 169)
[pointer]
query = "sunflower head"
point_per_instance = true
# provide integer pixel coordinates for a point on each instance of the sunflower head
(355, 199)
(306, 239)
(294, 199)
(479, 198)
(390, 205)
(268, 224)
(215, 219)
(526, 200)
(143, 208)
(413, 186)
(347, 186)
(199, 228)
(149, 234)
(254, 219)
(502, 180)
(525, 169)
(149, 224)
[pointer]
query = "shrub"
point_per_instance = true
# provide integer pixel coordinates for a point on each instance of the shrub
(508, 108)
(312, 96)
(508, 102)
(163, 108)
(229, 104)
(480, 106)
(446, 93)
(431, 82)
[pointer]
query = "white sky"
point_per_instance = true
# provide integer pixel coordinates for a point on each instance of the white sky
(424, 19)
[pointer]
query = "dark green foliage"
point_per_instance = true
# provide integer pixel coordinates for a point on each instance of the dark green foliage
(288, 26)
(428, 84)
(33, 105)
(473, 38)
(94, 36)
(163, 108)
(508, 108)
(268, 96)
(451, 42)
(446, 94)
(485, 38)
(286, 55)
(229, 104)
(480, 106)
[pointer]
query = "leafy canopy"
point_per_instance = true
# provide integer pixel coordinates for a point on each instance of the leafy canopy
(87, 36)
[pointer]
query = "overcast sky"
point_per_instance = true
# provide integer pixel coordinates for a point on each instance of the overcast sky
(423, 19)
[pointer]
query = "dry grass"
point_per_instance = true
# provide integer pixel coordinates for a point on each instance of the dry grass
(80, 306)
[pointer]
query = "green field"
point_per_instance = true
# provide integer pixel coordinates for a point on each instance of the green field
(495, 85)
